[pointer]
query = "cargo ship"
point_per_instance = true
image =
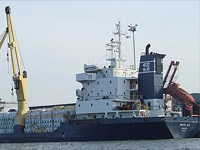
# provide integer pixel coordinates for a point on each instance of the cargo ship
(114, 103)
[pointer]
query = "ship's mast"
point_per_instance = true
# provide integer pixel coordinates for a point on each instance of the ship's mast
(114, 47)
(119, 33)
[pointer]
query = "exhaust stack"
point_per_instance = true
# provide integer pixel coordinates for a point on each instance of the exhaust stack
(147, 49)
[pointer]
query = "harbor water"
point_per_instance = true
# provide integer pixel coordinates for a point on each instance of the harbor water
(172, 144)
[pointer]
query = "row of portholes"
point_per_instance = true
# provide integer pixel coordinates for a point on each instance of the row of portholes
(91, 105)
(110, 93)
(110, 82)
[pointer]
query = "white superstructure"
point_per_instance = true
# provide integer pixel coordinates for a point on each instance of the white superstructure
(103, 89)
(112, 91)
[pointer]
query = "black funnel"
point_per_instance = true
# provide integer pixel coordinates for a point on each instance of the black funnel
(147, 49)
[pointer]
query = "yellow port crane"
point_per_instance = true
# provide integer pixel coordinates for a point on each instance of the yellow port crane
(19, 75)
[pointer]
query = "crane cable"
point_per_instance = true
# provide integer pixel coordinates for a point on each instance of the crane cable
(8, 60)
(10, 70)
(8, 57)
(127, 48)
(20, 54)
(12, 89)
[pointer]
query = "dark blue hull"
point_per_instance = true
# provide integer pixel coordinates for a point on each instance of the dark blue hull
(113, 129)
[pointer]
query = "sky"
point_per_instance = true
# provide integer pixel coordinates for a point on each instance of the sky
(57, 38)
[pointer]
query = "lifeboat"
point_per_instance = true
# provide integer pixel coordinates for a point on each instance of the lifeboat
(178, 93)
(124, 107)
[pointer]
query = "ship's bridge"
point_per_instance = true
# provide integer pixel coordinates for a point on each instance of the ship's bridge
(105, 88)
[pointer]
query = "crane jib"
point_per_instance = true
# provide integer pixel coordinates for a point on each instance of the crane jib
(19, 76)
